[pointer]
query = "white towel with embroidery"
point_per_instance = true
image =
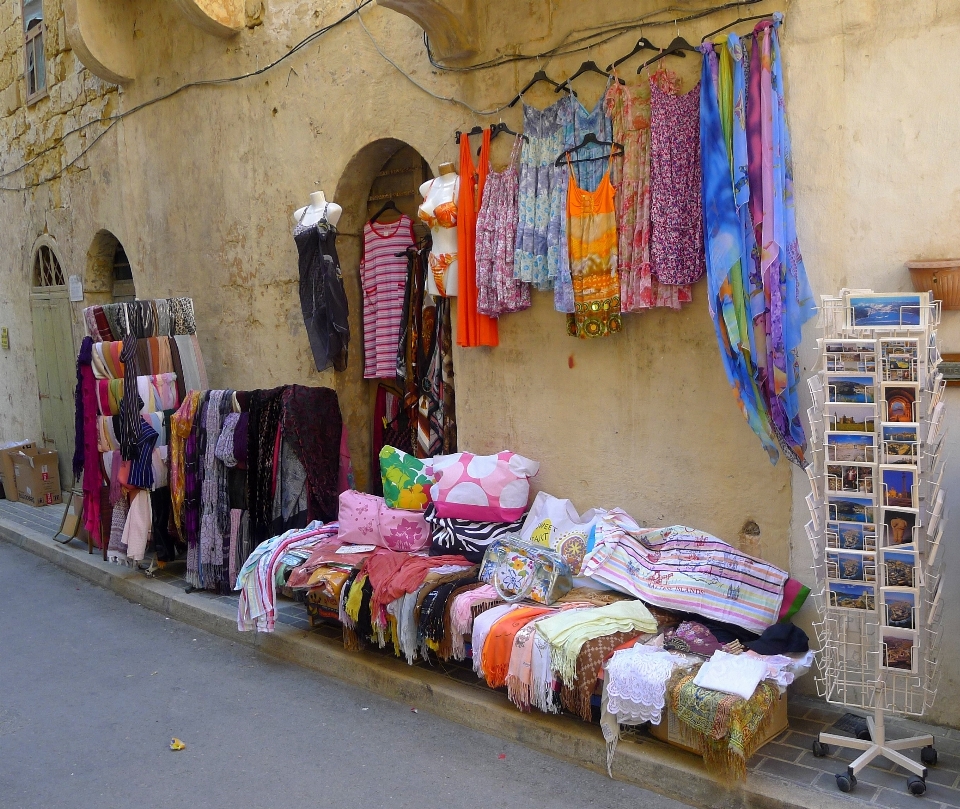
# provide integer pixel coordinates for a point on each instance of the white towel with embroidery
(732, 674)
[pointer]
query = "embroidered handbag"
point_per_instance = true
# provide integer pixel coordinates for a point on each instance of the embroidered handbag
(519, 570)
(486, 488)
(365, 519)
(555, 524)
(406, 482)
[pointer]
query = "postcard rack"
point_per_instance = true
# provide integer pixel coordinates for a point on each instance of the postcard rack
(877, 518)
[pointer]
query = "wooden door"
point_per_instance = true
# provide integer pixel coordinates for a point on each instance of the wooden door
(56, 373)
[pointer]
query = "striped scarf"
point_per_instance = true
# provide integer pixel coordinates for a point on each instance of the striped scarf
(130, 406)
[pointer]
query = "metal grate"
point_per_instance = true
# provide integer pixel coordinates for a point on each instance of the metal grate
(46, 269)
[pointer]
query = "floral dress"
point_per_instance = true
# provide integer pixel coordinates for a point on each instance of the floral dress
(629, 108)
(498, 292)
(543, 194)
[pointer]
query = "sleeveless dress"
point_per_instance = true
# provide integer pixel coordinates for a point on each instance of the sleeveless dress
(323, 300)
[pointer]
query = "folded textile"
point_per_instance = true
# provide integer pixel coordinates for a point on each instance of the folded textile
(684, 569)
(732, 674)
(692, 637)
(462, 612)
(498, 646)
(482, 625)
(520, 669)
(567, 632)
(136, 529)
(575, 696)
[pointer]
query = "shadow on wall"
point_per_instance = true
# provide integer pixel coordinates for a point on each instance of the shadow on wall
(365, 177)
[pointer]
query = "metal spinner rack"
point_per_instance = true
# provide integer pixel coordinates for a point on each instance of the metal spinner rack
(877, 518)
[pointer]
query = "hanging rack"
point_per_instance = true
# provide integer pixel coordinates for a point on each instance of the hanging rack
(589, 139)
(643, 44)
(675, 48)
(388, 205)
(587, 67)
(540, 75)
(735, 22)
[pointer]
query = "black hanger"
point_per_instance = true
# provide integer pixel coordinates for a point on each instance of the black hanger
(643, 44)
(539, 76)
(387, 206)
(477, 130)
(675, 48)
(587, 67)
(589, 139)
(735, 22)
(496, 129)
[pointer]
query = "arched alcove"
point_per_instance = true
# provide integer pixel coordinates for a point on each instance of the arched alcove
(386, 168)
(108, 275)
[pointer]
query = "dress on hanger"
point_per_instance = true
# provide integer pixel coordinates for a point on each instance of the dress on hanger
(383, 278)
(592, 228)
(543, 193)
(323, 300)
(629, 108)
(676, 214)
(589, 171)
(498, 292)
(473, 329)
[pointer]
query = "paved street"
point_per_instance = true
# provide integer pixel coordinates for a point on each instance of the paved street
(93, 687)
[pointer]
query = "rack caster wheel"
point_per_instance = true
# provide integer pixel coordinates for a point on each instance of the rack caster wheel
(846, 782)
(916, 786)
(820, 749)
(864, 735)
(928, 755)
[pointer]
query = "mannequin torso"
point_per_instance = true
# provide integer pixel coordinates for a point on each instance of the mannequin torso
(439, 212)
(310, 214)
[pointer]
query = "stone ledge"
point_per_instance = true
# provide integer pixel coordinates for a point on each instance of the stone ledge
(646, 763)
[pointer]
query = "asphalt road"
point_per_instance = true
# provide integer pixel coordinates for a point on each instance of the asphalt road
(92, 688)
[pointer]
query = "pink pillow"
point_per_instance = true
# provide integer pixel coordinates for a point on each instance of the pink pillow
(365, 519)
(484, 488)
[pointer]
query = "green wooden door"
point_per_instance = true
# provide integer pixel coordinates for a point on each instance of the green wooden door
(56, 373)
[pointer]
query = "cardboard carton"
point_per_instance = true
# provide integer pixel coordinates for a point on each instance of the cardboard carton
(7, 451)
(37, 476)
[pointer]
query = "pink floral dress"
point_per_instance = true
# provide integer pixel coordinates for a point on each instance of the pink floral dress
(629, 108)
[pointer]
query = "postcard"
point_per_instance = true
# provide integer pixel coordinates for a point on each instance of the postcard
(900, 527)
(900, 403)
(851, 566)
(896, 347)
(850, 355)
(935, 546)
(843, 507)
(851, 447)
(851, 595)
(900, 443)
(851, 418)
(885, 311)
(850, 478)
(852, 536)
(899, 568)
(899, 608)
(899, 486)
(899, 650)
(852, 388)
(932, 616)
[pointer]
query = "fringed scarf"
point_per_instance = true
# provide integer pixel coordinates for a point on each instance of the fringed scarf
(575, 696)
(193, 482)
(520, 669)
(313, 425)
(214, 496)
(180, 425)
(132, 404)
(498, 647)
(445, 649)
(462, 612)
(265, 412)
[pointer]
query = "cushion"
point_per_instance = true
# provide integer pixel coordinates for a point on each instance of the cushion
(485, 488)
(406, 482)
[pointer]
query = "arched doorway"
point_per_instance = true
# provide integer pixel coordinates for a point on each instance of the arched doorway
(385, 170)
(109, 274)
(54, 351)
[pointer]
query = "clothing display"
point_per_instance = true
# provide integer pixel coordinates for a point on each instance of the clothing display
(439, 213)
(323, 300)
(165, 317)
(383, 278)
(473, 328)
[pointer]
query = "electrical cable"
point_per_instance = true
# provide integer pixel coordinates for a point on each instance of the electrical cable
(115, 119)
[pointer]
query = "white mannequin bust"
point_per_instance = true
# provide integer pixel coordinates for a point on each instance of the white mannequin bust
(310, 214)
(442, 191)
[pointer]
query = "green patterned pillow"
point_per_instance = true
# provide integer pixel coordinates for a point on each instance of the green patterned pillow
(406, 483)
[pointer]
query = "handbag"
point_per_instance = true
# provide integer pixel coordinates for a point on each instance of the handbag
(555, 524)
(519, 570)
(365, 519)
(485, 488)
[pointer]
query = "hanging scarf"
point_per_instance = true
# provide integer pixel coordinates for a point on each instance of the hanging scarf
(193, 476)
(86, 458)
(214, 497)
(265, 413)
(180, 426)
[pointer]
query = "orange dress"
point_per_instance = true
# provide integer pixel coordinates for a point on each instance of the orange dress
(473, 329)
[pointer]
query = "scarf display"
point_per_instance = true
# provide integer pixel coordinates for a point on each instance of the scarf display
(445, 651)
(498, 646)
(265, 412)
(131, 405)
(759, 296)
(575, 695)
(687, 570)
(86, 458)
(214, 502)
(520, 668)
(193, 487)
(313, 425)
(728, 729)
(462, 610)
(482, 625)
(180, 426)
(567, 632)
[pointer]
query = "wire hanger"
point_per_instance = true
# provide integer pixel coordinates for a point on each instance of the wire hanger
(675, 48)
(588, 139)
(587, 67)
(387, 206)
(540, 75)
(643, 44)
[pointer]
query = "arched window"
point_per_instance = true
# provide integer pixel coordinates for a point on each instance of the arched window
(46, 268)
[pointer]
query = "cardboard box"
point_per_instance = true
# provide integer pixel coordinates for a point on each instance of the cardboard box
(7, 451)
(37, 476)
(674, 732)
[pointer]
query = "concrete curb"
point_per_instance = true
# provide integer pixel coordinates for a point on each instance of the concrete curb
(646, 763)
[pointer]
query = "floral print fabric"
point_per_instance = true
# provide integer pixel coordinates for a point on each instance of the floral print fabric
(629, 110)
